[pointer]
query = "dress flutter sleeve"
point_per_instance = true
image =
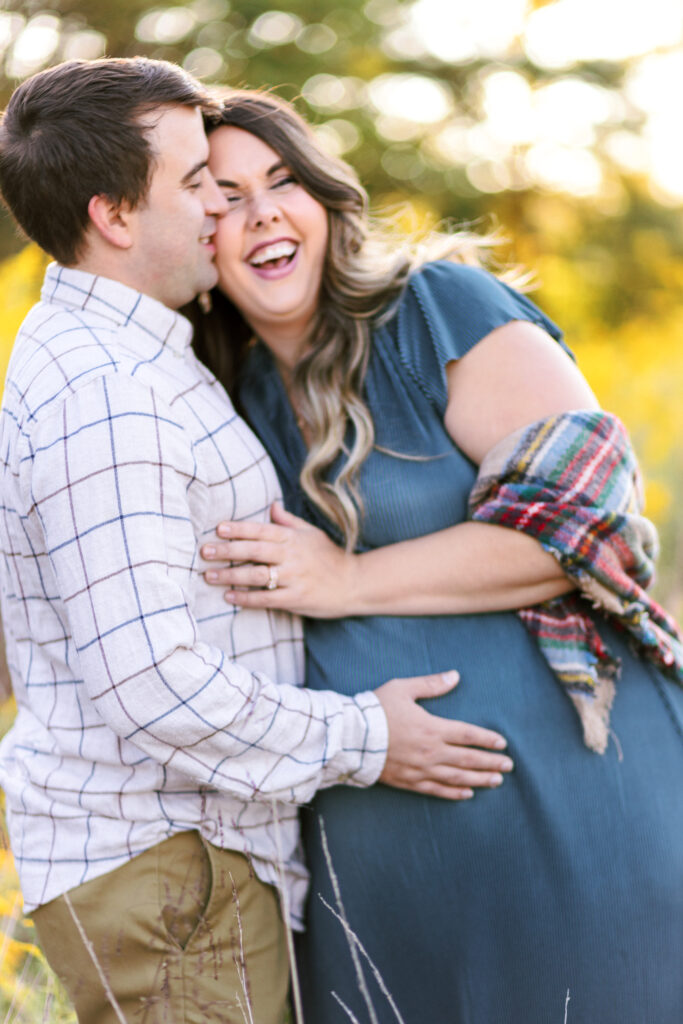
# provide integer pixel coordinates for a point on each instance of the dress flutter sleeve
(444, 311)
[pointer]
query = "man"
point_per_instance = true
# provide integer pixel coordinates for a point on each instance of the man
(162, 740)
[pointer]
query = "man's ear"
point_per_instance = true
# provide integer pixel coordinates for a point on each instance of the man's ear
(111, 220)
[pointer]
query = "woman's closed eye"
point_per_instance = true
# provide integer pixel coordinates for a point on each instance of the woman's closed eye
(286, 179)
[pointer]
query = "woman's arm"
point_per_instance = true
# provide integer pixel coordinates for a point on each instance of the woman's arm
(516, 375)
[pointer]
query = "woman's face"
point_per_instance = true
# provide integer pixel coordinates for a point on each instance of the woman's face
(271, 244)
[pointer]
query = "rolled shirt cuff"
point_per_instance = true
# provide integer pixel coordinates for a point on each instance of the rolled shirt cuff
(366, 737)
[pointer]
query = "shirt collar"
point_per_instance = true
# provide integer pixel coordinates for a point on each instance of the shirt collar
(77, 289)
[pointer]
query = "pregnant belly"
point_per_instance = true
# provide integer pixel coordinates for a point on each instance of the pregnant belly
(503, 676)
(505, 682)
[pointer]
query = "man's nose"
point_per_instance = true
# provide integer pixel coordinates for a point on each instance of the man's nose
(215, 202)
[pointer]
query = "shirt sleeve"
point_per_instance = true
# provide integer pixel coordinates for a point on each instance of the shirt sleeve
(445, 310)
(107, 478)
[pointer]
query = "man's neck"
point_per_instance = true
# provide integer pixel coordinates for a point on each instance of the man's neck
(114, 270)
(104, 268)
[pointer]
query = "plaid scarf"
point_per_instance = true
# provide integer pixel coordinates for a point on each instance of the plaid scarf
(572, 482)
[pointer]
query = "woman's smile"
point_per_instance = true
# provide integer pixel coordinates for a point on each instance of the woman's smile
(274, 259)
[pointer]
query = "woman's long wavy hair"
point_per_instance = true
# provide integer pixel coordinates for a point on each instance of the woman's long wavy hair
(366, 268)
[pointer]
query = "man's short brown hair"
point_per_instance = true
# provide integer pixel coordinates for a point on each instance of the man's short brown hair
(78, 130)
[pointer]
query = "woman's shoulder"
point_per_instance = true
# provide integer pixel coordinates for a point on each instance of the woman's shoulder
(471, 297)
(463, 303)
(449, 278)
(444, 310)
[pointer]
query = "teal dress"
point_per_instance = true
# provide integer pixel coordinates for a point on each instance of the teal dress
(566, 879)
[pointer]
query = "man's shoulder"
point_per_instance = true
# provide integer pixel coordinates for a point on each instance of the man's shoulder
(59, 351)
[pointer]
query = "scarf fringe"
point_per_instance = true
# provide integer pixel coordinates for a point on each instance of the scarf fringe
(594, 713)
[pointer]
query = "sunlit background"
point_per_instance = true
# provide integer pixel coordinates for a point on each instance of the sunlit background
(558, 121)
(567, 95)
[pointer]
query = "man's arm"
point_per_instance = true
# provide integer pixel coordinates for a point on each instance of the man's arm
(109, 479)
(109, 475)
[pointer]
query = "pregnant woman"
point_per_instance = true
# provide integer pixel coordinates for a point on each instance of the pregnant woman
(448, 505)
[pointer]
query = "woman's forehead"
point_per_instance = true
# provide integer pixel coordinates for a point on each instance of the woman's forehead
(241, 151)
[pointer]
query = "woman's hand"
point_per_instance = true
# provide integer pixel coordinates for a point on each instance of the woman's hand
(286, 564)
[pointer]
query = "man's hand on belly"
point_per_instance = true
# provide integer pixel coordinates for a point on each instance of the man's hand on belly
(432, 755)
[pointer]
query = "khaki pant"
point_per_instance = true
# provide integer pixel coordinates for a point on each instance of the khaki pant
(184, 934)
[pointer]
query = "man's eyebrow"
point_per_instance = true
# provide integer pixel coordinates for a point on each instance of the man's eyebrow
(194, 170)
(225, 183)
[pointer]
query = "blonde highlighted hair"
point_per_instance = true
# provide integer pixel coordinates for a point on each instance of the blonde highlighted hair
(366, 268)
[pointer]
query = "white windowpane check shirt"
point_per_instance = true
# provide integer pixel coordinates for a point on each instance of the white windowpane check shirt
(146, 705)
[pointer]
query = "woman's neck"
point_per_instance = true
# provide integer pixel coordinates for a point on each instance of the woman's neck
(287, 344)
(286, 372)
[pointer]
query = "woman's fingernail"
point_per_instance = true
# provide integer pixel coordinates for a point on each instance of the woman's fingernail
(506, 765)
(500, 743)
(450, 677)
(229, 597)
(467, 794)
(208, 551)
(211, 576)
(495, 780)
(223, 530)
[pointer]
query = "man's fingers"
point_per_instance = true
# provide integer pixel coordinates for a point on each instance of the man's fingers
(454, 773)
(431, 788)
(435, 685)
(467, 735)
(449, 776)
(472, 759)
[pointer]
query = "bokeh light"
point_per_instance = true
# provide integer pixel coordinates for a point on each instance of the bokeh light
(413, 98)
(461, 30)
(564, 33)
(275, 28)
(169, 25)
(509, 93)
(34, 46)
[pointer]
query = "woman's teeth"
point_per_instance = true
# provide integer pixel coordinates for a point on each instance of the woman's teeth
(273, 253)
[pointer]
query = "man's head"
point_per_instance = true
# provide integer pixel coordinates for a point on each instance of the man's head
(103, 164)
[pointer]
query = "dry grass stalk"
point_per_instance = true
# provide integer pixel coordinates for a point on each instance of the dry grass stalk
(49, 1000)
(352, 1017)
(93, 956)
(17, 990)
(284, 903)
(352, 938)
(358, 967)
(240, 960)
